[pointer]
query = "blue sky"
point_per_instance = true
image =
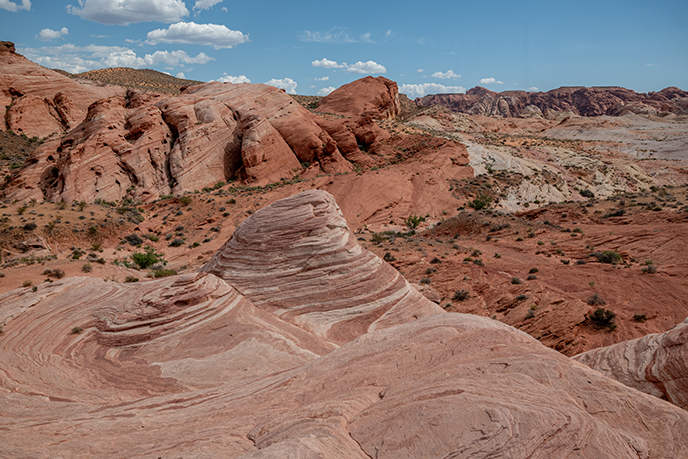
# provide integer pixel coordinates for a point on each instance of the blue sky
(311, 47)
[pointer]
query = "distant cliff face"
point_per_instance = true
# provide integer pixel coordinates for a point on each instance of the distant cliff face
(614, 101)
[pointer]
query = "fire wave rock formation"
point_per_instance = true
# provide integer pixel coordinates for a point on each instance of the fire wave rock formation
(297, 259)
(656, 364)
(187, 366)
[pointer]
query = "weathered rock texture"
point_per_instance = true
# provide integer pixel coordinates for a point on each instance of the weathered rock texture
(38, 101)
(298, 259)
(656, 364)
(582, 101)
(377, 97)
(159, 145)
(187, 366)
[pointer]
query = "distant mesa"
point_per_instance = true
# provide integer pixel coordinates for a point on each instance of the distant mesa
(596, 101)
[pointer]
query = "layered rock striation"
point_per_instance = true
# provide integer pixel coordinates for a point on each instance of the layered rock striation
(376, 97)
(581, 101)
(656, 364)
(298, 259)
(248, 365)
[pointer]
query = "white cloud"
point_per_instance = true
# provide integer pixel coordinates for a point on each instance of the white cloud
(420, 70)
(326, 91)
(388, 33)
(13, 7)
(446, 75)
(533, 88)
(47, 34)
(365, 67)
(233, 79)
(327, 64)
(225, 9)
(215, 35)
(490, 81)
(205, 4)
(336, 35)
(125, 12)
(77, 59)
(420, 90)
(325, 78)
(358, 67)
(287, 84)
(181, 75)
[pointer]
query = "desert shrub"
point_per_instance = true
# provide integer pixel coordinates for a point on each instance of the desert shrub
(87, 268)
(131, 279)
(148, 258)
(27, 283)
(435, 261)
(639, 317)
(377, 238)
(164, 272)
(516, 281)
(531, 277)
(608, 256)
(649, 268)
(533, 270)
(56, 273)
(603, 318)
(596, 300)
(430, 271)
(425, 280)
(176, 243)
(77, 330)
(461, 295)
(30, 226)
(185, 200)
(521, 297)
(412, 221)
(587, 194)
(389, 257)
(481, 202)
(134, 239)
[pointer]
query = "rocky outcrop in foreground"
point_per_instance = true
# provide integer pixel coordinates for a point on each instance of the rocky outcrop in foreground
(190, 366)
(656, 364)
(582, 101)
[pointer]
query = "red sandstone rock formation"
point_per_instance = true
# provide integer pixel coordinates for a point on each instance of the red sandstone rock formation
(42, 101)
(188, 366)
(578, 100)
(377, 97)
(298, 259)
(656, 364)
(155, 145)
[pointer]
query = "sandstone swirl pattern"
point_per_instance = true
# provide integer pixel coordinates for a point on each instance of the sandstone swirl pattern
(188, 366)
(298, 259)
(656, 364)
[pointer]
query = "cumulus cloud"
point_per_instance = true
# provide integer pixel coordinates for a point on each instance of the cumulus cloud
(336, 35)
(205, 4)
(327, 64)
(358, 67)
(47, 34)
(325, 78)
(533, 89)
(420, 90)
(446, 75)
(77, 59)
(233, 79)
(490, 81)
(420, 70)
(215, 35)
(287, 84)
(365, 67)
(181, 75)
(13, 7)
(125, 12)
(326, 91)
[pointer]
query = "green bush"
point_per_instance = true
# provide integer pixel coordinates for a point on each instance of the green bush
(481, 202)
(412, 221)
(603, 318)
(608, 256)
(461, 295)
(164, 272)
(148, 258)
